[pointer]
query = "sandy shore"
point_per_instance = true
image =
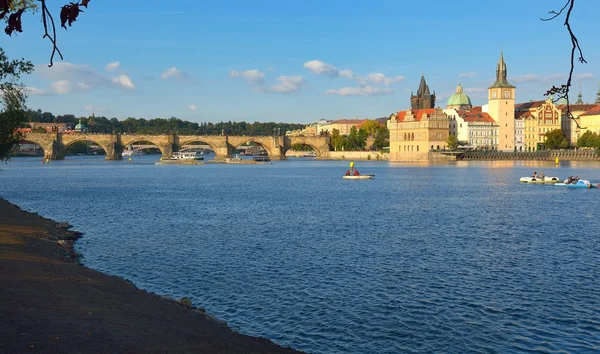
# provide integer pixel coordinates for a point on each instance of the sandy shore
(50, 303)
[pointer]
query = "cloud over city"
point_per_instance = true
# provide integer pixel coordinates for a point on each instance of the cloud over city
(287, 84)
(113, 66)
(253, 76)
(173, 73)
(70, 78)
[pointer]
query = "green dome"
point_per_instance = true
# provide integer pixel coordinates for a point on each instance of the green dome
(459, 98)
(79, 127)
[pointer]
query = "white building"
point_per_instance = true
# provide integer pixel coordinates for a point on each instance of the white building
(519, 136)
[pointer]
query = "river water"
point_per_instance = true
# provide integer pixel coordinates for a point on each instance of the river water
(456, 257)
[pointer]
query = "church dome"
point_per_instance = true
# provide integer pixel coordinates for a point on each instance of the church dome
(79, 127)
(459, 100)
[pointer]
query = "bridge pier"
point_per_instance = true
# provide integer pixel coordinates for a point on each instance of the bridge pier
(114, 151)
(54, 151)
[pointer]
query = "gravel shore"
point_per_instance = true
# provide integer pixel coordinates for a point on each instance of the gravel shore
(50, 303)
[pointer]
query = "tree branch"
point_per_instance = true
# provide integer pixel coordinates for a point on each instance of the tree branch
(45, 15)
(563, 90)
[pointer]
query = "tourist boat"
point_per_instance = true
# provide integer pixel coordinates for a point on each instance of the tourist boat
(539, 179)
(186, 155)
(359, 177)
(130, 152)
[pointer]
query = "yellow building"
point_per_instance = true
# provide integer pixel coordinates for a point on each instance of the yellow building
(413, 134)
(569, 126)
(540, 117)
(342, 125)
(501, 106)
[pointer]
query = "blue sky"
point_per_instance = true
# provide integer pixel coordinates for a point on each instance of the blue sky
(296, 61)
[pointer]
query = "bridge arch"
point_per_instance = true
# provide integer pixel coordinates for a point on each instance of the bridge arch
(83, 138)
(189, 140)
(319, 145)
(257, 141)
(160, 142)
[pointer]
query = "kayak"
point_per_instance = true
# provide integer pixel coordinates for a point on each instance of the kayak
(359, 177)
(539, 180)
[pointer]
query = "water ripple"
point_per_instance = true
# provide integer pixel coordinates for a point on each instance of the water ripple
(444, 258)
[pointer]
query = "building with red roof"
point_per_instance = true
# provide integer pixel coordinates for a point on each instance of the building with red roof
(473, 128)
(415, 133)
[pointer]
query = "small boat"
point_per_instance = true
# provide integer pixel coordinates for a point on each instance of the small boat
(539, 180)
(261, 158)
(359, 177)
(582, 183)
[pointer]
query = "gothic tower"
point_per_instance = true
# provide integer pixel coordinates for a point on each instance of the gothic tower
(423, 99)
(597, 96)
(501, 106)
(579, 97)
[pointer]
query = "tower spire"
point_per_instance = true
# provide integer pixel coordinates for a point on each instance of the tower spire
(501, 73)
(598, 95)
(579, 96)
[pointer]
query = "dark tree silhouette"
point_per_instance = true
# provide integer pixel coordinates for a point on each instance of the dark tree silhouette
(563, 91)
(16, 8)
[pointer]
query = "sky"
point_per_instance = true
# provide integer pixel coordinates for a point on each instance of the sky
(297, 61)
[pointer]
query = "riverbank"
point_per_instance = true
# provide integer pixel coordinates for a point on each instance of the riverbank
(50, 303)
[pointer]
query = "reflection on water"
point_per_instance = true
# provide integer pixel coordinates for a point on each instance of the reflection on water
(451, 257)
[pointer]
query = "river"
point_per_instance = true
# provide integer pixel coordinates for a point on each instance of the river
(452, 257)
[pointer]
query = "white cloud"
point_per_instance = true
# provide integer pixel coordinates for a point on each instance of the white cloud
(34, 91)
(534, 78)
(68, 77)
(124, 81)
(61, 87)
(320, 68)
(92, 108)
(361, 91)
(287, 84)
(174, 73)
(113, 66)
(192, 107)
(253, 76)
(83, 86)
(347, 74)
(379, 79)
(270, 68)
(467, 75)
(584, 76)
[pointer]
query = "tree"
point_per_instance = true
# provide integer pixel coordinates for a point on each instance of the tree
(588, 139)
(554, 139)
(13, 98)
(15, 8)
(382, 136)
(371, 127)
(452, 142)
(337, 140)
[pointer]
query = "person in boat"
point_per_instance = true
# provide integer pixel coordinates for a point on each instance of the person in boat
(534, 175)
(542, 175)
(356, 172)
(348, 173)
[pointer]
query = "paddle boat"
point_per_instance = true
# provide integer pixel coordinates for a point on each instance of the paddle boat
(539, 180)
(582, 183)
(359, 177)
(353, 173)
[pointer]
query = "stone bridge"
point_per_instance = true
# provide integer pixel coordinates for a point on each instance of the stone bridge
(55, 144)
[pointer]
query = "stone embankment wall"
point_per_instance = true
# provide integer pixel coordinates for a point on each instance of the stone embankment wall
(551, 155)
(358, 155)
